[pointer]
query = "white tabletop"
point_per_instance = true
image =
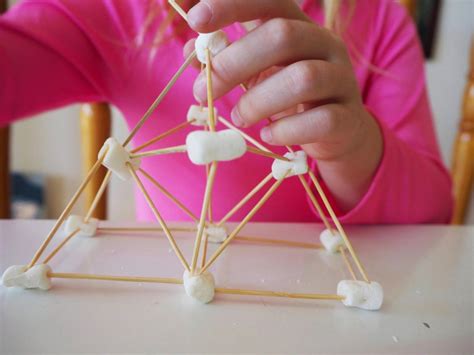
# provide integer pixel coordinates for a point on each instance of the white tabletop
(426, 272)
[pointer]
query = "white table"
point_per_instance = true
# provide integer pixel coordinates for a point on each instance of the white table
(426, 271)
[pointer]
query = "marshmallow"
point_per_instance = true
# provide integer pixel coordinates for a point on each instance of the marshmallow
(200, 287)
(19, 276)
(215, 41)
(361, 294)
(216, 234)
(205, 147)
(199, 115)
(74, 222)
(116, 159)
(297, 165)
(331, 240)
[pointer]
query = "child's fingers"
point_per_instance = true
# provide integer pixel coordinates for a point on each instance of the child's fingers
(211, 15)
(276, 42)
(310, 81)
(188, 49)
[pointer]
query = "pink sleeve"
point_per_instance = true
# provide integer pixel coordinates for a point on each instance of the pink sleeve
(411, 184)
(54, 53)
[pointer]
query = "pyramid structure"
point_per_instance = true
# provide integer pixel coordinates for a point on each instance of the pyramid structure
(214, 139)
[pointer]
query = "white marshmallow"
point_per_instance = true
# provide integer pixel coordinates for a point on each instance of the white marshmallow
(19, 276)
(74, 222)
(199, 115)
(205, 147)
(116, 159)
(331, 240)
(361, 294)
(297, 165)
(200, 287)
(215, 41)
(216, 234)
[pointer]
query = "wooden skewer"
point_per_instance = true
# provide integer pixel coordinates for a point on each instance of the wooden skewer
(66, 211)
(179, 9)
(160, 98)
(163, 151)
(347, 262)
(210, 94)
(278, 242)
(204, 250)
(98, 196)
(159, 218)
(245, 135)
(315, 203)
(308, 296)
(242, 224)
(72, 276)
(169, 195)
(245, 199)
(142, 229)
(338, 226)
(266, 154)
(163, 136)
(60, 246)
(202, 220)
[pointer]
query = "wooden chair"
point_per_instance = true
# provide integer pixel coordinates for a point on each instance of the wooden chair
(95, 128)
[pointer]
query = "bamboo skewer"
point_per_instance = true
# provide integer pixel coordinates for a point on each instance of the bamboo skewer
(278, 242)
(266, 154)
(179, 9)
(202, 220)
(245, 200)
(169, 195)
(60, 246)
(66, 211)
(73, 276)
(162, 136)
(242, 224)
(159, 218)
(160, 98)
(210, 95)
(315, 203)
(98, 196)
(142, 229)
(163, 151)
(339, 226)
(308, 296)
(347, 262)
(245, 135)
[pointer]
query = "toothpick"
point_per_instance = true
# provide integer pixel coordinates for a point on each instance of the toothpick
(160, 98)
(242, 202)
(210, 94)
(242, 224)
(307, 296)
(245, 135)
(158, 217)
(72, 276)
(169, 195)
(60, 246)
(67, 210)
(347, 262)
(288, 243)
(202, 221)
(338, 226)
(163, 135)
(163, 151)
(266, 154)
(98, 196)
(179, 9)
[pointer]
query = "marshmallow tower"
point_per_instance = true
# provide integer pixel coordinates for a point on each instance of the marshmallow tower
(298, 165)
(20, 276)
(116, 159)
(206, 147)
(361, 294)
(199, 287)
(331, 240)
(214, 41)
(75, 222)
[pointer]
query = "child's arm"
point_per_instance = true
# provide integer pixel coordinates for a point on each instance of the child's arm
(378, 168)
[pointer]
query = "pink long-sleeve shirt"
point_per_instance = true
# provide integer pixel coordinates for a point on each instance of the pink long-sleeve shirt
(58, 52)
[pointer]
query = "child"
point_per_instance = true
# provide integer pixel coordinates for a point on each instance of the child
(362, 108)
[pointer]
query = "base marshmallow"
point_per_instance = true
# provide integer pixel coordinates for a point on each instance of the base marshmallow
(19, 276)
(331, 240)
(199, 287)
(216, 234)
(74, 222)
(361, 294)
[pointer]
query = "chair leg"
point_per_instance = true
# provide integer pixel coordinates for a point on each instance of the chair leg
(95, 129)
(5, 172)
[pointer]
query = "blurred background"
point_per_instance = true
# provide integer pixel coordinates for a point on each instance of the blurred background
(47, 148)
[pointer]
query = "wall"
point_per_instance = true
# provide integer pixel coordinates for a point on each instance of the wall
(55, 152)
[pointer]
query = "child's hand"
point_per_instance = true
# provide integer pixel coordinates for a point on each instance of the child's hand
(314, 75)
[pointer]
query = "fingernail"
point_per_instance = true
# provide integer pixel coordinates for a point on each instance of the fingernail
(236, 118)
(266, 134)
(200, 89)
(200, 14)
